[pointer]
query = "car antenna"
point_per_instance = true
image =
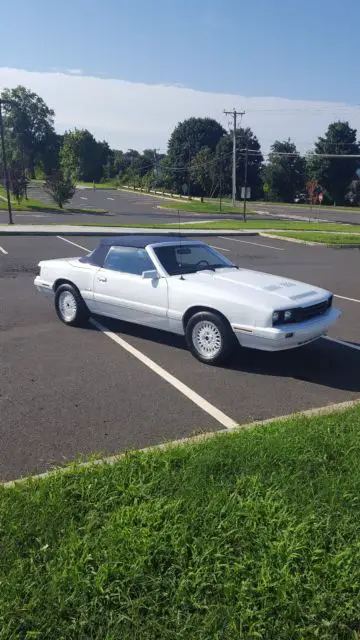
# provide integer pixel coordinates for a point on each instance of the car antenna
(181, 275)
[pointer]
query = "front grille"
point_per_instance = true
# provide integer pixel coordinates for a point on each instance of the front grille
(306, 313)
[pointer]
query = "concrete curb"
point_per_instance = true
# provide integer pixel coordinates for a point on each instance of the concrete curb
(313, 244)
(161, 196)
(54, 230)
(296, 240)
(319, 411)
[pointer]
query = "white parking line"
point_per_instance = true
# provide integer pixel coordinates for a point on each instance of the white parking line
(215, 413)
(258, 244)
(198, 221)
(345, 298)
(83, 198)
(220, 248)
(3, 251)
(110, 198)
(74, 243)
(343, 343)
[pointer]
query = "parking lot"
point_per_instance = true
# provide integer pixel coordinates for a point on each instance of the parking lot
(69, 392)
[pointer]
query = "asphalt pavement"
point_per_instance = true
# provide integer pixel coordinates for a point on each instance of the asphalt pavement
(128, 207)
(123, 208)
(68, 392)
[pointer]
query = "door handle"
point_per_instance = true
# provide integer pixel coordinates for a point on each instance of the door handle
(102, 278)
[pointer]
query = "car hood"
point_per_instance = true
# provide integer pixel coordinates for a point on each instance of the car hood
(255, 286)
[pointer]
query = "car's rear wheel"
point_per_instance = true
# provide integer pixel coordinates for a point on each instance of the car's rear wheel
(209, 337)
(69, 305)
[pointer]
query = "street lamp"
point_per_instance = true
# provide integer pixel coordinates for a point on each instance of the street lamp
(6, 172)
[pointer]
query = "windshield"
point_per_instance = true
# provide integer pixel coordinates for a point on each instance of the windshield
(178, 259)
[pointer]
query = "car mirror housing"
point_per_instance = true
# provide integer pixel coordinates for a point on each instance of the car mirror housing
(152, 274)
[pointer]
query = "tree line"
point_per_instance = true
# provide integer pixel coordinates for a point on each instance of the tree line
(198, 161)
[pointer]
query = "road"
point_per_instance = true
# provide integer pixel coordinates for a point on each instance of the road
(124, 208)
(68, 392)
(319, 213)
(134, 208)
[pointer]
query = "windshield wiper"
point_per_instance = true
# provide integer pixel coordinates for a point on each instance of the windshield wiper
(212, 267)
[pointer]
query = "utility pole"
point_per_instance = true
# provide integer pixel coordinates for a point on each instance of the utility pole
(220, 185)
(245, 177)
(234, 115)
(156, 168)
(189, 171)
(6, 172)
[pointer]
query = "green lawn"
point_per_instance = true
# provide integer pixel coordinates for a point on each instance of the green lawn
(213, 207)
(273, 224)
(203, 207)
(316, 208)
(253, 534)
(193, 205)
(324, 238)
(233, 225)
(98, 185)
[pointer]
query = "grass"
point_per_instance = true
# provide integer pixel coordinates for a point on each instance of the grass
(226, 203)
(37, 205)
(98, 185)
(203, 207)
(253, 534)
(324, 238)
(316, 207)
(275, 224)
(239, 225)
(213, 207)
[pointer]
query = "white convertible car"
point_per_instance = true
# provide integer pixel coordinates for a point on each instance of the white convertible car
(189, 288)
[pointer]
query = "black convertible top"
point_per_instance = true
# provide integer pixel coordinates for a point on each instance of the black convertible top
(97, 257)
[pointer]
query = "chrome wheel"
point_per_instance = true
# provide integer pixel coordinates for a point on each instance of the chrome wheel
(207, 339)
(67, 306)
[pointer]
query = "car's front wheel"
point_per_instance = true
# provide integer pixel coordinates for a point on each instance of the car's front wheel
(209, 337)
(69, 305)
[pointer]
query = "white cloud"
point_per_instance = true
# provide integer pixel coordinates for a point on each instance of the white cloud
(139, 115)
(74, 72)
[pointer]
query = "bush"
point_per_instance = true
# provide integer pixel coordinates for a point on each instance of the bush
(60, 188)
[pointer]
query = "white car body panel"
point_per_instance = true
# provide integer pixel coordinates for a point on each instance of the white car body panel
(246, 298)
(130, 297)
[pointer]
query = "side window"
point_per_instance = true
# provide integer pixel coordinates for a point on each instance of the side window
(128, 260)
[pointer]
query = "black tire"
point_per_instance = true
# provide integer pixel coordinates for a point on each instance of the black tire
(67, 296)
(209, 327)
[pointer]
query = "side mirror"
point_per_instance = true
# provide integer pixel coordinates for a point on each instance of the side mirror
(152, 274)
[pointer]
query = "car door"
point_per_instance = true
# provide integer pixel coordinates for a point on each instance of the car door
(121, 292)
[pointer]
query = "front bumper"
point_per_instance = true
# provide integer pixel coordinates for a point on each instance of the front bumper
(288, 336)
(43, 286)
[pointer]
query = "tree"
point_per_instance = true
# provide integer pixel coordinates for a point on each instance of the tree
(60, 187)
(82, 157)
(335, 174)
(29, 123)
(285, 174)
(245, 139)
(187, 139)
(204, 171)
(18, 183)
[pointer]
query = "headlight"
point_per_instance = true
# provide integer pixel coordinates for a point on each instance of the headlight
(282, 317)
(276, 317)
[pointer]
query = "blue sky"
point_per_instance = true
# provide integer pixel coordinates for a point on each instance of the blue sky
(300, 49)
